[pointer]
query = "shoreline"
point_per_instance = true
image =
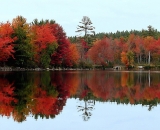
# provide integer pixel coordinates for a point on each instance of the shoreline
(10, 69)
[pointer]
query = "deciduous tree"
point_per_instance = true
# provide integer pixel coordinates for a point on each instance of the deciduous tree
(148, 41)
(101, 52)
(44, 43)
(6, 42)
(62, 56)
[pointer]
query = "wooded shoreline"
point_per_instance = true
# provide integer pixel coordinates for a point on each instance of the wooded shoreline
(44, 44)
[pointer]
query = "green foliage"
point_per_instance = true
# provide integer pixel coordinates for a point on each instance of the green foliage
(85, 65)
(88, 30)
(42, 22)
(23, 49)
(148, 67)
(130, 56)
(45, 58)
(151, 32)
(47, 85)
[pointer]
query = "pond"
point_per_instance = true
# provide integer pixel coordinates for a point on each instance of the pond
(75, 100)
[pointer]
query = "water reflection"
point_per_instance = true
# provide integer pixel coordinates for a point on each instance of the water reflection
(44, 94)
(87, 108)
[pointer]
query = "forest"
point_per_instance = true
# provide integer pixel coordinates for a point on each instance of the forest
(44, 44)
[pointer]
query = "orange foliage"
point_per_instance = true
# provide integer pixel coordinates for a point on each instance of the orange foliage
(124, 58)
(72, 82)
(73, 53)
(43, 103)
(124, 78)
(42, 38)
(148, 41)
(19, 117)
(20, 21)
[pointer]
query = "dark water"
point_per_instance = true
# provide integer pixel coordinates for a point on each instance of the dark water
(75, 100)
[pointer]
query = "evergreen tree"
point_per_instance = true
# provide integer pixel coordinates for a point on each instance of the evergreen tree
(23, 48)
(87, 28)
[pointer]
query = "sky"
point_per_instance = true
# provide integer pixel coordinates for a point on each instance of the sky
(105, 116)
(106, 15)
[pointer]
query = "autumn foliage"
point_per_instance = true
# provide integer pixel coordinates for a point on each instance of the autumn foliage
(42, 39)
(66, 54)
(45, 44)
(6, 42)
(46, 94)
(6, 97)
(39, 44)
(101, 52)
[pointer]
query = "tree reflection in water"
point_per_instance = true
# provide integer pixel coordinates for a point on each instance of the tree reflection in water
(89, 103)
(86, 109)
(44, 94)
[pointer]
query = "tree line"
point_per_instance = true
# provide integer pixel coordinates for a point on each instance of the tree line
(38, 44)
(44, 44)
(129, 48)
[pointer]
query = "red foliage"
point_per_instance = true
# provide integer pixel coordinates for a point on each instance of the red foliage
(65, 54)
(60, 57)
(58, 32)
(6, 41)
(83, 48)
(84, 45)
(43, 103)
(66, 83)
(101, 85)
(101, 52)
(6, 97)
(155, 46)
(43, 37)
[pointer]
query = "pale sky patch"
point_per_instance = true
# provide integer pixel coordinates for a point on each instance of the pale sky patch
(106, 15)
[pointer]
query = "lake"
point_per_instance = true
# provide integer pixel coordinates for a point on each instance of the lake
(75, 100)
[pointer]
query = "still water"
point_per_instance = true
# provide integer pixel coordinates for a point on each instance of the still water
(75, 100)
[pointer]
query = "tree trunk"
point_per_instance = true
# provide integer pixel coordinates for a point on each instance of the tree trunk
(140, 58)
(149, 57)
(149, 79)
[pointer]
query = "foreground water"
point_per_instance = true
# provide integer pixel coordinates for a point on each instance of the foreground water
(74, 100)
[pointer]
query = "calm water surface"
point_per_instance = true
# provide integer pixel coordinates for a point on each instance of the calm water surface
(75, 100)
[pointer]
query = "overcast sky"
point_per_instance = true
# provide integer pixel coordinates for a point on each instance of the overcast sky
(106, 15)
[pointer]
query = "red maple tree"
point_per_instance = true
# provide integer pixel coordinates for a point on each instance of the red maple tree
(6, 42)
(41, 39)
(101, 52)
